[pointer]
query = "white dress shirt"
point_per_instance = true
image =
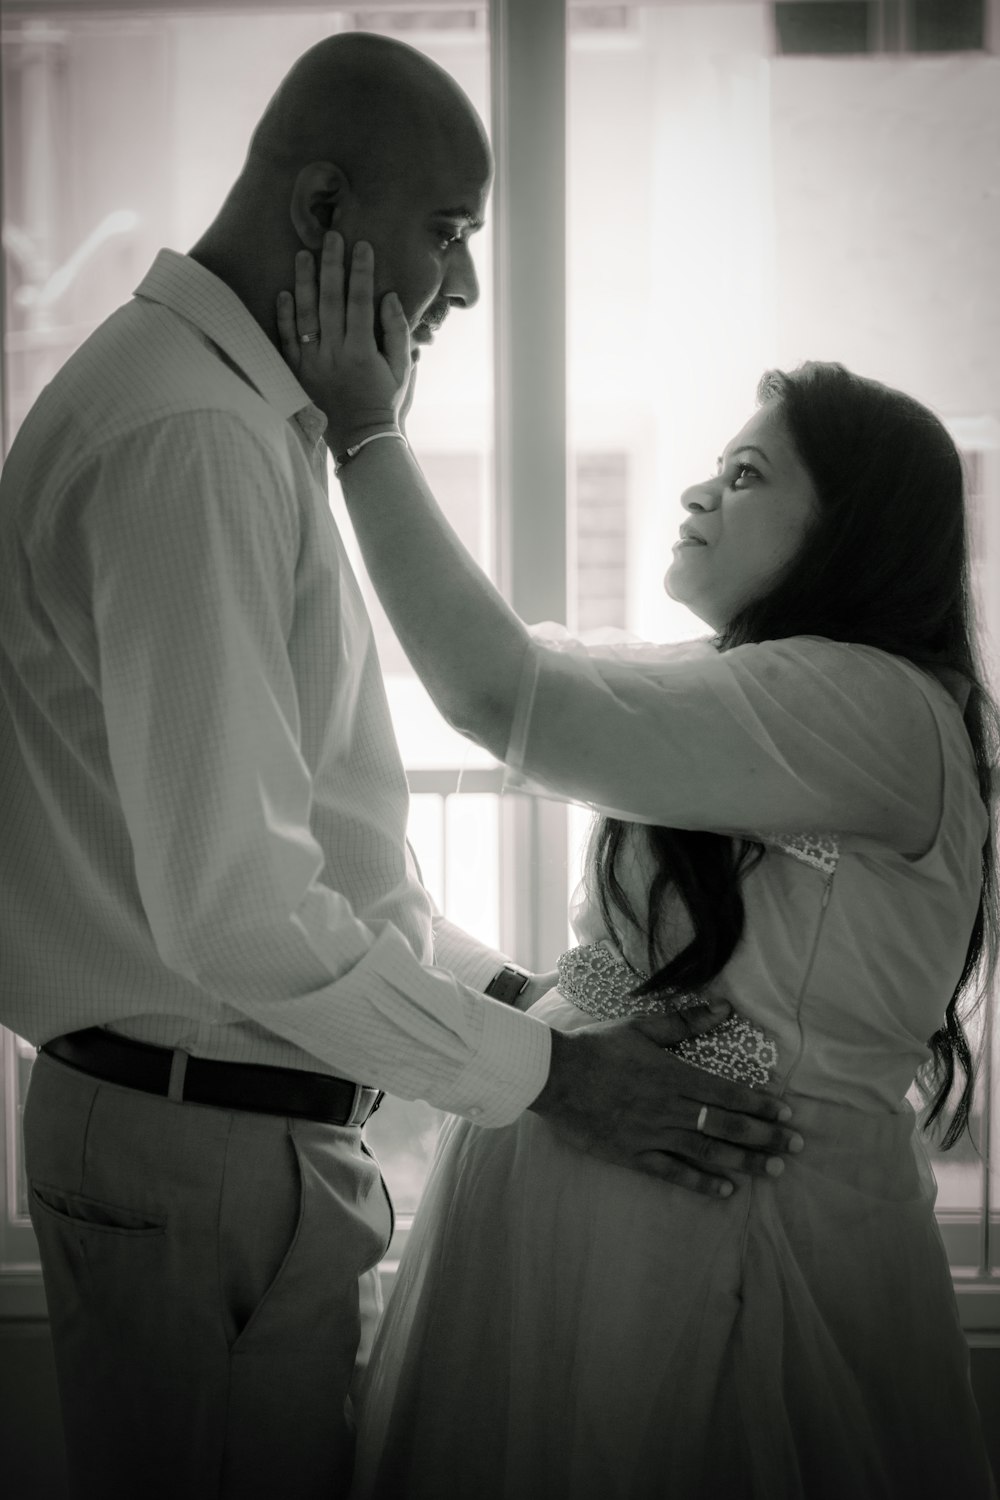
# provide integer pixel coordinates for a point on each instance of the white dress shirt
(202, 805)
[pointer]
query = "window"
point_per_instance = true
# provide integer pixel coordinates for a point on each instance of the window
(824, 27)
(829, 27)
(600, 562)
(733, 200)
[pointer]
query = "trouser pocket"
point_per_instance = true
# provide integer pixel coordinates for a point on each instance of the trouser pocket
(93, 1253)
(75, 1211)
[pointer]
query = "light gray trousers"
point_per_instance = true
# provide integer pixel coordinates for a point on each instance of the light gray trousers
(209, 1277)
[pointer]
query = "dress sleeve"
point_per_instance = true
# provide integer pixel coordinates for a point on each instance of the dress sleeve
(802, 733)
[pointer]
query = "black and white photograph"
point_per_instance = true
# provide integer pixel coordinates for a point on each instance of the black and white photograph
(499, 750)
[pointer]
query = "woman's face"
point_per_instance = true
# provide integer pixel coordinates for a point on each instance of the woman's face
(745, 523)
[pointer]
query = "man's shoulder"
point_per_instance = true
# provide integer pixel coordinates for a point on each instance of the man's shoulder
(147, 361)
(143, 367)
(144, 378)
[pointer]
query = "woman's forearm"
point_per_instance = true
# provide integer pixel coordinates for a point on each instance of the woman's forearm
(465, 642)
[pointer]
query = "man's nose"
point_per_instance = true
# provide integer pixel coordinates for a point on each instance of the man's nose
(461, 285)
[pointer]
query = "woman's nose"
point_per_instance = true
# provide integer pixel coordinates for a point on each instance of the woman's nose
(704, 496)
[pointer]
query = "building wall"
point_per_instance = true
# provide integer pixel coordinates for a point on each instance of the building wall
(887, 211)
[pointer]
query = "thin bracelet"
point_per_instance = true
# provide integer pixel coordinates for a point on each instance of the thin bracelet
(340, 459)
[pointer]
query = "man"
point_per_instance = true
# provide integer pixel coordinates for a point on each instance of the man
(213, 927)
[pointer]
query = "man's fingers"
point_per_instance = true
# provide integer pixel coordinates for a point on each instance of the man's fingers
(706, 1088)
(716, 1156)
(722, 1124)
(672, 1169)
(287, 335)
(752, 1119)
(667, 1028)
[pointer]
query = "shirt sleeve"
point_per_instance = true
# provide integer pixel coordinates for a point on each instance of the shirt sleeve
(780, 737)
(472, 962)
(191, 585)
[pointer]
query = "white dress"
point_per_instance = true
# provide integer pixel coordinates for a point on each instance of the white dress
(563, 1329)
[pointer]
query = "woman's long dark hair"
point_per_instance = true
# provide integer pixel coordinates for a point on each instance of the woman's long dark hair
(886, 564)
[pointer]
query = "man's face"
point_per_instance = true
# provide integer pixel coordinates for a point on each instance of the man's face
(420, 230)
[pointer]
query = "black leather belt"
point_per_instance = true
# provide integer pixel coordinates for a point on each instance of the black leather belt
(227, 1085)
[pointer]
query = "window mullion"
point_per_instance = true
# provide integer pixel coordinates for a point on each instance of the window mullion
(528, 63)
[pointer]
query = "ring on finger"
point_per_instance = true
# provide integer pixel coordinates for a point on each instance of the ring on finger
(702, 1117)
(309, 338)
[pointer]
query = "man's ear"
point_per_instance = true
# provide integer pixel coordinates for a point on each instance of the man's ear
(320, 196)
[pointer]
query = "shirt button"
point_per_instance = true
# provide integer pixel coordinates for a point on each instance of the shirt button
(475, 1112)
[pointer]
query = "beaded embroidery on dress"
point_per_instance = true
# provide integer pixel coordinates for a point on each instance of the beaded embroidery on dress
(820, 850)
(600, 982)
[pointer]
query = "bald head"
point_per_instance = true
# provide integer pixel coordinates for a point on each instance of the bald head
(373, 105)
(371, 138)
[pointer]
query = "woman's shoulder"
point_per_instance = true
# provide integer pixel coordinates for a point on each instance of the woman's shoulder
(888, 682)
(918, 708)
(612, 644)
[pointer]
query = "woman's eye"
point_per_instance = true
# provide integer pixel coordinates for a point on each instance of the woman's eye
(744, 472)
(445, 240)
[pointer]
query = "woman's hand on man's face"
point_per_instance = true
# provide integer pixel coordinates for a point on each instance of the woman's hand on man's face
(327, 337)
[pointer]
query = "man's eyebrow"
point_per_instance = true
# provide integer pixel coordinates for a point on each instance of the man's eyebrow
(461, 212)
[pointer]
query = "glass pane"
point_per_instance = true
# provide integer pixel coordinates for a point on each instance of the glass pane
(825, 26)
(760, 209)
(17, 1247)
(456, 839)
(961, 1172)
(403, 1133)
(19, 1058)
(90, 99)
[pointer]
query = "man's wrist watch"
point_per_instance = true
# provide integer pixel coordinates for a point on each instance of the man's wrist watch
(508, 985)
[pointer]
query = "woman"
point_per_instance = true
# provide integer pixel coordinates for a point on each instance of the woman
(795, 814)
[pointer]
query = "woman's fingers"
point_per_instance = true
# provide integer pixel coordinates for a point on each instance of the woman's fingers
(313, 318)
(395, 338)
(331, 285)
(306, 311)
(359, 323)
(287, 333)
(326, 332)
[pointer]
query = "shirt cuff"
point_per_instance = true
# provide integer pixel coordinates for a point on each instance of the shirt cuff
(508, 1035)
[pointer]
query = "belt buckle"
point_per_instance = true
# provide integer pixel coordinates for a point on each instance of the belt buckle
(352, 1118)
(359, 1115)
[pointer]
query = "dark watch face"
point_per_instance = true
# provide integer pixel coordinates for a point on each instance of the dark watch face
(508, 984)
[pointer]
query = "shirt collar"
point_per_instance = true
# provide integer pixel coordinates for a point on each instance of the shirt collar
(196, 294)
